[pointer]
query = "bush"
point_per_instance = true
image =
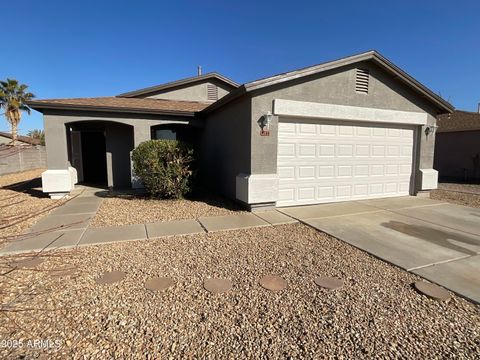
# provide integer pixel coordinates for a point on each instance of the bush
(164, 167)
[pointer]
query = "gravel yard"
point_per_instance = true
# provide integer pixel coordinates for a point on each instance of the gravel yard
(461, 194)
(468, 188)
(136, 209)
(20, 197)
(376, 313)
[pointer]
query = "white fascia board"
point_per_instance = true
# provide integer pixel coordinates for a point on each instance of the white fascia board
(306, 109)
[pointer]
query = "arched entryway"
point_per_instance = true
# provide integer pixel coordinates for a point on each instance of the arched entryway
(100, 151)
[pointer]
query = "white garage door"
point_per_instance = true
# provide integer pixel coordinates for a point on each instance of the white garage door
(329, 161)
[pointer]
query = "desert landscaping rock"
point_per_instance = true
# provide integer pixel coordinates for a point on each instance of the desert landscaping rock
(469, 198)
(20, 201)
(273, 283)
(378, 315)
(217, 286)
(159, 283)
(127, 210)
(29, 262)
(330, 283)
(110, 277)
(62, 272)
(432, 291)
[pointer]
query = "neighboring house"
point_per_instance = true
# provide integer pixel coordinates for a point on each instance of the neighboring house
(457, 146)
(6, 138)
(350, 129)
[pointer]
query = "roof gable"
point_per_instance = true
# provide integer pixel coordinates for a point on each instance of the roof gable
(174, 84)
(373, 56)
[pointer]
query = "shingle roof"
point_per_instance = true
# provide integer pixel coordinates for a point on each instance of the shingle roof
(458, 121)
(155, 106)
(21, 138)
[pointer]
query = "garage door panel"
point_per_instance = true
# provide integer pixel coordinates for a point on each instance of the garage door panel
(307, 150)
(307, 129)
(286, 149)
(325, 162)
(325, 171)
(286, 172)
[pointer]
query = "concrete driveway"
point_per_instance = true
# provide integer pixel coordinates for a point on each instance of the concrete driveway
(436, 240)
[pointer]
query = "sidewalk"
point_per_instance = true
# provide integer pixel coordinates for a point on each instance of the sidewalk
(67, 227)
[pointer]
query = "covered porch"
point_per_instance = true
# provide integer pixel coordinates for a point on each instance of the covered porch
(95, 149)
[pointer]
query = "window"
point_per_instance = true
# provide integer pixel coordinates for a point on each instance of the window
(165, 134)
(361, 81)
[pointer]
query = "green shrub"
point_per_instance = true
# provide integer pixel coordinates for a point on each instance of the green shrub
(164, 167)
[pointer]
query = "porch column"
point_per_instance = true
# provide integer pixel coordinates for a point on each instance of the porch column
(141, 133)
(60, 178)
(55, 143)
(426, 176)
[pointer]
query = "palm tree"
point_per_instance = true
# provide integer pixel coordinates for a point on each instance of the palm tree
(13, 99)
(37, 134)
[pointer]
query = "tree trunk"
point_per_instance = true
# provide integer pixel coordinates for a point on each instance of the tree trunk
(13, 116)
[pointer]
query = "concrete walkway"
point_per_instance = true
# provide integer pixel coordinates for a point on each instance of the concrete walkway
(436, 240)
(68, 227)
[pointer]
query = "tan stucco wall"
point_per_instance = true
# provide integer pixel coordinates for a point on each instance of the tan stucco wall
(337, 87)
(191, 92)
(225, 148)
(55, 124)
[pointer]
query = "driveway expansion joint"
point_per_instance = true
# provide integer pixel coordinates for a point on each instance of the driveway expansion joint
(438, 263)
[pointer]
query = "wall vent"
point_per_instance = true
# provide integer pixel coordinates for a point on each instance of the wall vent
(212, 92)
(361, 81)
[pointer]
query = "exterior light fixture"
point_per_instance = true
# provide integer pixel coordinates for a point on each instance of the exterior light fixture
(430, 129)
(266, 120)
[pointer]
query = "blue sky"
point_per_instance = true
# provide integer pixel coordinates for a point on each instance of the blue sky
(102, 48)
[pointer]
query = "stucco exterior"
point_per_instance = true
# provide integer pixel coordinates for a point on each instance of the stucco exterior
(338, 87)
(122, 133)
(235, 159)
(225, 146)
(192, 92)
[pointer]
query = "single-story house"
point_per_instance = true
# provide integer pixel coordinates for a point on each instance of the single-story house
(354, 128)
(457, 146)
(6, 138)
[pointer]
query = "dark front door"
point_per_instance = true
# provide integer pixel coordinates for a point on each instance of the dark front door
(94, 158)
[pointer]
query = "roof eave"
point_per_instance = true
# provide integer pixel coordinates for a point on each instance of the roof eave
(442, 103)
(311, 70)
(172, 84)
(370, 55)
(48, 106)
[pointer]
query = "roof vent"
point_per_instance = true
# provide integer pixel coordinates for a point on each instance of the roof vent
(212, 92)
(361, 81)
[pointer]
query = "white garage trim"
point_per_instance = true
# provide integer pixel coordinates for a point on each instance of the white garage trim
(343, 112)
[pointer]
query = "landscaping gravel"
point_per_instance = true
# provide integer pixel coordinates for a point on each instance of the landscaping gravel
(468, 188)
(131, 209)
(376, 313)
(456, 197)
(18, 201)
